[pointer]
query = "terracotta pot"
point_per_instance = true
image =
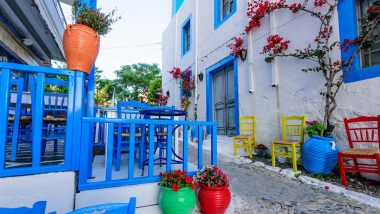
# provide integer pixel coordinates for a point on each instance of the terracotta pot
(81, 46)
(214, 200)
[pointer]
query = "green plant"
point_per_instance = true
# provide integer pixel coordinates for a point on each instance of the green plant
(176, 179)
(314, 127)
(212, 176)
(93, 18)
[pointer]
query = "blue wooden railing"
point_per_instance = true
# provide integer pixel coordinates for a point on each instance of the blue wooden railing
(74, 115)
(85, 181)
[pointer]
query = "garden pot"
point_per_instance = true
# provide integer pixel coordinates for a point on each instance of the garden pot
(181, 202)
(81, 46)
(214, 200)
(319, 155)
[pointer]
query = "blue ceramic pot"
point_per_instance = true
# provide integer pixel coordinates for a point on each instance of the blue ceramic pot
(319, 155)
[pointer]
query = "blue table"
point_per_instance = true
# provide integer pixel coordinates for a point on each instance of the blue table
(163, 113)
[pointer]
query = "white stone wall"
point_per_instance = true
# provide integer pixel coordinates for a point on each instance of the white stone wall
(57, 189)
(297, 92)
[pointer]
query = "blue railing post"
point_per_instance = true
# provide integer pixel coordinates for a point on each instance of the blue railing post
(214, 152)
(37, 120)
(83, 175)
(131, 154)
(70, 121)
(169, 149)
(185, 147)
(109, 161)
(78, 110)
(4, 97)
(200, 147)
(151, 149)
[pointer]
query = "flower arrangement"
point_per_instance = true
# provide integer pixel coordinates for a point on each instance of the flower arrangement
(314, 127)
(176, 73)
(236, 46)
(162, 100)
(93, 18)
(212, 176)
(176, 179)
(187, 85)
(185, 102)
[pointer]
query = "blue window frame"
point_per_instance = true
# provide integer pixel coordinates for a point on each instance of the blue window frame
(223, 10)
(349, 28)
(176, 4)
(181, 89)
(186, 36)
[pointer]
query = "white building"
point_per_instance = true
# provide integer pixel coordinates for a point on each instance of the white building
(233, 88)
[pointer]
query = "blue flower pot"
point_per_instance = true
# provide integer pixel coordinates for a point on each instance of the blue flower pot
(319, 155)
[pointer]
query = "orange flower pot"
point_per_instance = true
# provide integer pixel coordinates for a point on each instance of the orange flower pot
(81, 46)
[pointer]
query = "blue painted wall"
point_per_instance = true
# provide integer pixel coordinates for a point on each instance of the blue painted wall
(209, 92)
(348, 28)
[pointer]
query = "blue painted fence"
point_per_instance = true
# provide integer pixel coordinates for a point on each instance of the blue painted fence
(75, 93)
(85, 180)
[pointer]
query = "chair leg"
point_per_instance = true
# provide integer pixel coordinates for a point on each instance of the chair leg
(250, 148)
(235, 149)
(342, 171)
(294, 157)
(378, 163)
(273, 155)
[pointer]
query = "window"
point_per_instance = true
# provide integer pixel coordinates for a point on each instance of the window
(372, 56)
(186, 36)
(223, 10)
(367, 65)
(227, 7)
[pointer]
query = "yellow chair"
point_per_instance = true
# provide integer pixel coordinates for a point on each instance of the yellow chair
(292, 127)
(247, 137)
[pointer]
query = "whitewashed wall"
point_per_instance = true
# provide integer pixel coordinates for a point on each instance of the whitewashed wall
(297, 92)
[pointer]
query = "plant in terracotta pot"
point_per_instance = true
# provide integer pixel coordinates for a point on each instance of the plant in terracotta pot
(177, 194)
(214, 195)
(81, 40)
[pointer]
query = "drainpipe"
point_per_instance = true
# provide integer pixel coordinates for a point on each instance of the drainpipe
(176, 57)
(250, 64)
(196, 54)
(275, 81)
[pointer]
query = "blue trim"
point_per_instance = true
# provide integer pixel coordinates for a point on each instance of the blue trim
(176, 4)
(218, 21)
(209, 90)
(186, 24)
(348, 28)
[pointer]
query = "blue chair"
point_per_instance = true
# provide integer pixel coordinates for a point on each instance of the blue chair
(54, 111)
(116, 208)
(129, 110)
(38, 208)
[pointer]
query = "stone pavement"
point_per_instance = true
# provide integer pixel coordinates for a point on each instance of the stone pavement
(257, 190)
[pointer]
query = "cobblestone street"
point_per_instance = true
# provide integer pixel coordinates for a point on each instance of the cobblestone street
(257, 190)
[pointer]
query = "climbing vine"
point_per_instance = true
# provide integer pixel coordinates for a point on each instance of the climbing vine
(187, 85)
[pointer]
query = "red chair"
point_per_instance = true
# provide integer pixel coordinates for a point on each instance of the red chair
(364, 131)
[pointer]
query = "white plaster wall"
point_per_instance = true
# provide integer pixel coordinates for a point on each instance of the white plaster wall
(58, 189)
(146, 196)
(297, 92)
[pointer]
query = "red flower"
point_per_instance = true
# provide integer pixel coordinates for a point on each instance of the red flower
(175, 188)
(193, 186)
(188, 180)
(168, 176)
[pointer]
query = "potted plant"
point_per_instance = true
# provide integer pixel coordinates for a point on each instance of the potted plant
(81, 40)
(214, 195)
(177, 192)
(262, 151)
(319, 153)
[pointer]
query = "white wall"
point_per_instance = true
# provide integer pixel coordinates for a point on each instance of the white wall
(297, 92)
(58, 189)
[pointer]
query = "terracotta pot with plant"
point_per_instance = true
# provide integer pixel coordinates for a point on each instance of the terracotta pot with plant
(81, 40)
(214, 195)
(177, 194)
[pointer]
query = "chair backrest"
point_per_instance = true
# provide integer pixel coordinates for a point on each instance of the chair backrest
(293, 127)
(363, 130)
(127, 208)
(38, 208)
(55, 103)
(131, 109)
(247, 125)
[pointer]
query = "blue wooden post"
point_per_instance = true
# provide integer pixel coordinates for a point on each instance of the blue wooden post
(70, 121)
(169, 149)
(77, 125)
(37, 120)
(200, 147)
(214, 150)
(111, 128)
(84, 162)
(4, 97)
(185, 147)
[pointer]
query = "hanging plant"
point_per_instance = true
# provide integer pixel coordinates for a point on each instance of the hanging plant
(236, 46)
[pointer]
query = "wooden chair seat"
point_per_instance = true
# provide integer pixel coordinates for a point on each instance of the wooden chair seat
(139, 134)
(244, 136)
(54, 120)
(286, 142)
(22, 119)
(361, 152)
